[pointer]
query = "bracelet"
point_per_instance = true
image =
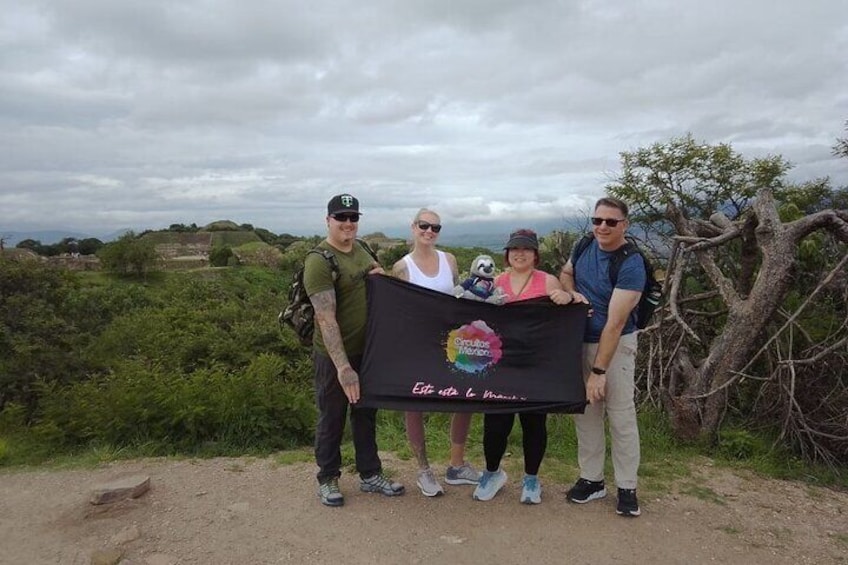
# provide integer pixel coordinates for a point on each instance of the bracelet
(599, 371)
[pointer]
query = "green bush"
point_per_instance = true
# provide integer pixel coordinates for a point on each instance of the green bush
(38, 330)
(128, 255)
(262, 407)
(220, 255)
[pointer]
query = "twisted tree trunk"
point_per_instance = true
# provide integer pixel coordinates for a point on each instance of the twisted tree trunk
(696, 396)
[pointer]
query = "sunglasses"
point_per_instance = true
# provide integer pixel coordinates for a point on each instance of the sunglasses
(611, 222)
(345, 217)
(424, 226)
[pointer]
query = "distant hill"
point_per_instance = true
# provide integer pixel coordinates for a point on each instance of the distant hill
(46, 237)
(490, 235)
(49, 237)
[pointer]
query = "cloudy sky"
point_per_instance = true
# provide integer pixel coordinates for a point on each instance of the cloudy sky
(140, 114)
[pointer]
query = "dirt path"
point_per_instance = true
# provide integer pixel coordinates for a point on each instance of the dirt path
(249, 511)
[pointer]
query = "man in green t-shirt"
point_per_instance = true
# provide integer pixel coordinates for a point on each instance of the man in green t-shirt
(337, 348)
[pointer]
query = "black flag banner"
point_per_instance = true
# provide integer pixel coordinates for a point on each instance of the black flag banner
(428, 351)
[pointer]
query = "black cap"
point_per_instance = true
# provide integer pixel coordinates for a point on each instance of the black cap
(524, 239)
(342, 203)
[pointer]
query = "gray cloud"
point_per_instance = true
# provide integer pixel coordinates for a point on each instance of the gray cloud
(142, 114)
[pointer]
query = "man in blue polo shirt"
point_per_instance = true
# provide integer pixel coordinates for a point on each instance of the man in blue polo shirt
(609, 358)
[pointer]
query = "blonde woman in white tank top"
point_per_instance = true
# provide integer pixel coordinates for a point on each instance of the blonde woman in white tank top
(434, 269)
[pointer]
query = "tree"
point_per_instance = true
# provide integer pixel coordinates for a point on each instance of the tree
(555, 249)
(841, 147)
(31, 244)
(265, 235)
(730, 251)
(128, 254)
(90, 246)
(219, 255)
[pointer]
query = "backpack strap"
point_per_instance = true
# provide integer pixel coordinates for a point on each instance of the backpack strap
(367, 248)
(330, 257)
(621, 254)
(618, 257)
(582, 244)
(580, 247)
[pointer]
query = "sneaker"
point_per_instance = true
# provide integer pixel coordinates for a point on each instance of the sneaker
(379, 483)
(628, 504)
(329, 493)
(531, 490)
(490, 483)
(584, 490)
(465, 474)
(428, 484)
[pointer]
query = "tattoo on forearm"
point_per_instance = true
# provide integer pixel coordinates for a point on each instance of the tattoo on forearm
(324, 303)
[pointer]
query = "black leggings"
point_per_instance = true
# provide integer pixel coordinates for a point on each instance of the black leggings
(496, 429)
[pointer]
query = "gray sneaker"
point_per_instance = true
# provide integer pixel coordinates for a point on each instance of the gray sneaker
(428, 484)
(329, 493)
(379, 483)
(465, 474)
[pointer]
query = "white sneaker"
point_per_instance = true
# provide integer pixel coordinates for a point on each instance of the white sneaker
(490, 483)
(428, 484)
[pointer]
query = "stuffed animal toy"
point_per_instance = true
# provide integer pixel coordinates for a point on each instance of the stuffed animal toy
(480, 285)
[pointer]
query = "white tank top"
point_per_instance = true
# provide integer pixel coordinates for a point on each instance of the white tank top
(442, 282)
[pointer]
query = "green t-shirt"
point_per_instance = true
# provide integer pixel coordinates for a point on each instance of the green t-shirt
(350, 293)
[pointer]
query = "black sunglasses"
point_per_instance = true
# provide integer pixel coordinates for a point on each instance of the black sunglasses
(345, 217)
(611, 222)
(424, 226)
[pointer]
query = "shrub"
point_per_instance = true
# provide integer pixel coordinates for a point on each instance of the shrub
(261, 407)
(220, 255)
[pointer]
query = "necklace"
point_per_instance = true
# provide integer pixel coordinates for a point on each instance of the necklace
(524, 284)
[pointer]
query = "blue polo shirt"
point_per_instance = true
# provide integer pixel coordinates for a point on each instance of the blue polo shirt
(591, 274)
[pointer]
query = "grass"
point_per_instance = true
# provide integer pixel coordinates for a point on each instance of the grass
(841, 538)
(703, 493)
(665, 461)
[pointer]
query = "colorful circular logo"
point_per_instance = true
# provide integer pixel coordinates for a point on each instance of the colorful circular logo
(474, 347)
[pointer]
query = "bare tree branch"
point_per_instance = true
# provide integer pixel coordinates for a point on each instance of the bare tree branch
(835, 221)
(824, 282)
(716, 241)
(818, 356)
(672, 303)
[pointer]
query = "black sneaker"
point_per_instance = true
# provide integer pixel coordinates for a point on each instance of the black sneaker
(584, 490)
(628, 505)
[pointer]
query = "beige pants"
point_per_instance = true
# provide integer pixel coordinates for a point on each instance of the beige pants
(619, 406)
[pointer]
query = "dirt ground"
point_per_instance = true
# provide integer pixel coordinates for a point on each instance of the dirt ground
(247, 511)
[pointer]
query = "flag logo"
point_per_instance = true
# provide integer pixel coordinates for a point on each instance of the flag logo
(474, 347)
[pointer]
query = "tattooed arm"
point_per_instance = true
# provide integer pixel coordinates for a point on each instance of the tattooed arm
(400, 271)
(324, 303)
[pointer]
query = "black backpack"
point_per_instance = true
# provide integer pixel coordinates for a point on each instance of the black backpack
(651, 294)
(299, 314)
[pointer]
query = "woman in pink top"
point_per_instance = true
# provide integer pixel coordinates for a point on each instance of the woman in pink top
(434, 269)
(521, 281)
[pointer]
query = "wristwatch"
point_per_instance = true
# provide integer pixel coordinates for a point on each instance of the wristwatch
(599, 371)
